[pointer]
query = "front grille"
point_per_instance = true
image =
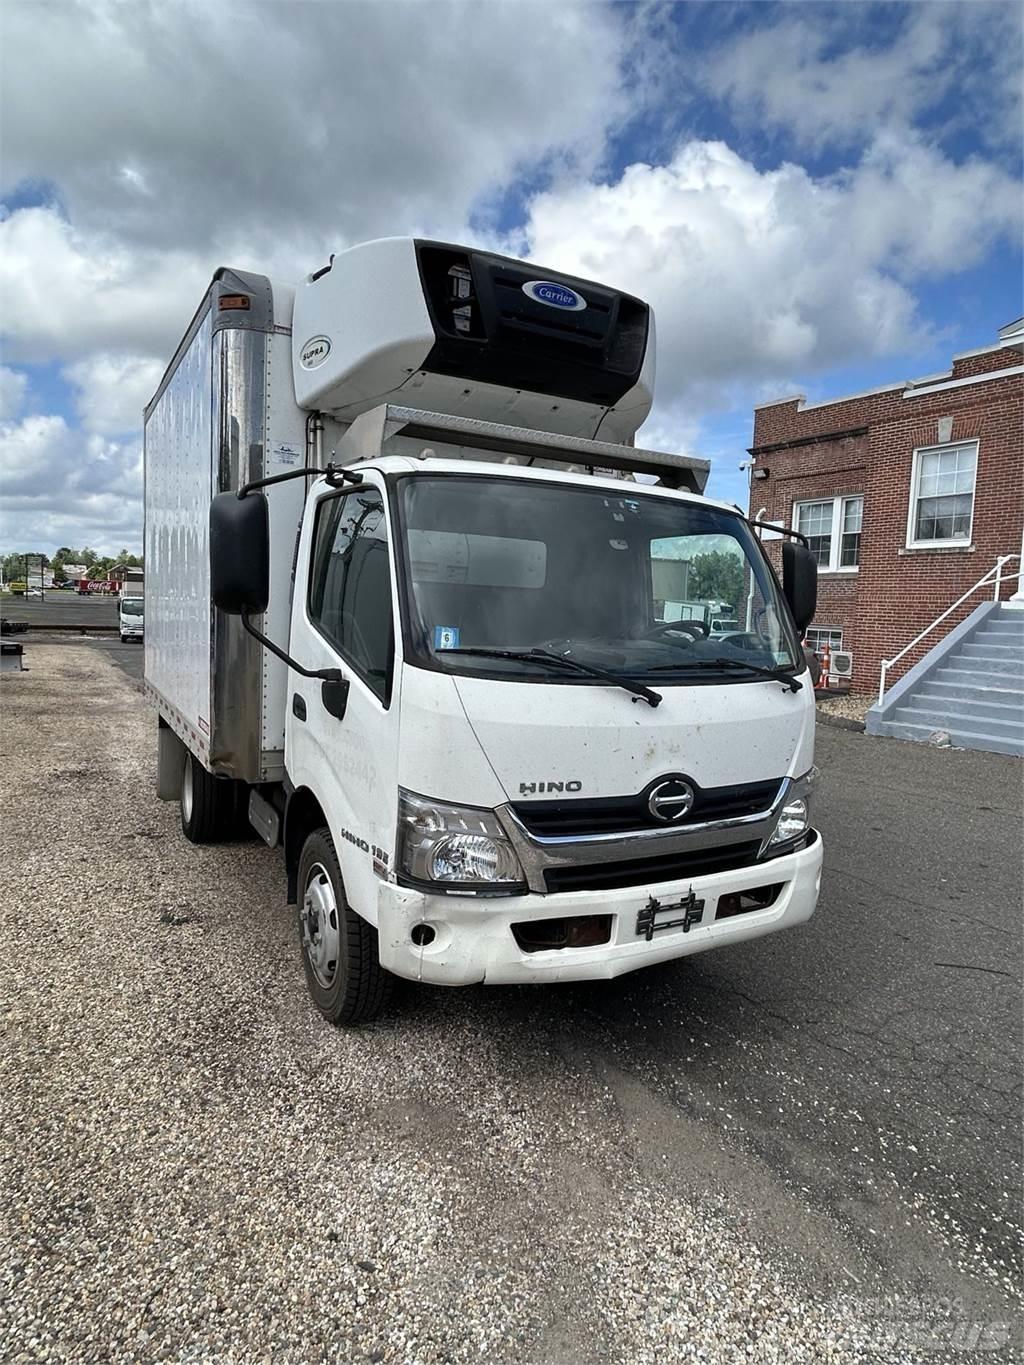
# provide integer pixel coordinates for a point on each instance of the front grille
(616, 814)
(640, 871)
(668, 867)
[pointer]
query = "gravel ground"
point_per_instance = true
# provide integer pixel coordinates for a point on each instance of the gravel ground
(854, 706)
(195, 1168)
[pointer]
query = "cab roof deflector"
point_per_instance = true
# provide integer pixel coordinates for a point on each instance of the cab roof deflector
(365, 440)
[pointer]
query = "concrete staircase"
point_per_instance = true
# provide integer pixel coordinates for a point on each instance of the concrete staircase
(969, 686)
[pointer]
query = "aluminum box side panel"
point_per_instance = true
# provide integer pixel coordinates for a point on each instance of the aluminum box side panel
(177, 445)
(285, 449)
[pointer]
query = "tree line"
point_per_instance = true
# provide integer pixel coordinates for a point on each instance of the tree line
(96, 565)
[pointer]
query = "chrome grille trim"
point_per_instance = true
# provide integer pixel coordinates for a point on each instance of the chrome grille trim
(536, 852)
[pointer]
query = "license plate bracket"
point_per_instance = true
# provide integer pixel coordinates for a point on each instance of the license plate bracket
(647, 925)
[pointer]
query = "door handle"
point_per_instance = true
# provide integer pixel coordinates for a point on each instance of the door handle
(299, 706)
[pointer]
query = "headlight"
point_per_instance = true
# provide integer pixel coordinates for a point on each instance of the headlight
(794, 816)
(792, 822)
(455, 846)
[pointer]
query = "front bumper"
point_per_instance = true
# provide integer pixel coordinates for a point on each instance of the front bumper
(474, 942)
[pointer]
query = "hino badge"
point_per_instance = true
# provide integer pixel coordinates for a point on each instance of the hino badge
(517, 701)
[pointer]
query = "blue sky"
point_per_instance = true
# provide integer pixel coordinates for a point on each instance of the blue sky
(816, 199)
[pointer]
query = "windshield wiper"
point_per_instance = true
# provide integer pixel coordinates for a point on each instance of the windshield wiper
(781, 675)
(545, 656)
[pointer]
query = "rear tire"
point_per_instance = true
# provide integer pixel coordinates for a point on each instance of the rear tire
(340, 954)
(208, 804)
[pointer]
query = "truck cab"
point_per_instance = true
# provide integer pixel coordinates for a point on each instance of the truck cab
(131, 617)
(427, 652)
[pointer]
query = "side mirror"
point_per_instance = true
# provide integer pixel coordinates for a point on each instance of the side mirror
(240, 553)
(334, 695)
(799, 582)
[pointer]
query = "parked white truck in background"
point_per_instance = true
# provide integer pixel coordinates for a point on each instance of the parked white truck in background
(401, 619)
(130, 616)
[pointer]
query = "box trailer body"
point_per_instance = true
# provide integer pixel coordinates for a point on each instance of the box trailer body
(401, 613)
(224, 413)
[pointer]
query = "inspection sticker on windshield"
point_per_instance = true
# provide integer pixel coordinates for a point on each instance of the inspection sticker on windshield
(446, 637)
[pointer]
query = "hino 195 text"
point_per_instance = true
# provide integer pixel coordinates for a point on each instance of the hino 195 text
(518, 702)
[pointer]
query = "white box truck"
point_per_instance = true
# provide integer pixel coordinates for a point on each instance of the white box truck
(400, 557)
(131, 614)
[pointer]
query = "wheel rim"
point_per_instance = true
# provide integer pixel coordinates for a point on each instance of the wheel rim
(187, 795)
(321, 941)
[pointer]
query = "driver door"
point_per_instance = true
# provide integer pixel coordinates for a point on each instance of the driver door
(345, 608)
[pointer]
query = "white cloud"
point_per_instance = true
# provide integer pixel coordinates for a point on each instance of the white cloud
(111, 390)
(13, 388)
(59, 487)
(757, 274)
(67, 292)
(838, 80)
(171, 121)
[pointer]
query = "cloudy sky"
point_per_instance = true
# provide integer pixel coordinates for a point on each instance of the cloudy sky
(815, 198)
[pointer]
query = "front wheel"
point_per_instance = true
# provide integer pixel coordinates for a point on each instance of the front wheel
(339, 950)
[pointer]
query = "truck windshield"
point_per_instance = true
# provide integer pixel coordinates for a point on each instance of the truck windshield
(632, 582)
(131, 606)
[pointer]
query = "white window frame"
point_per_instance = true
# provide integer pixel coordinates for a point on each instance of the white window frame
(960, 543)
(836, 546)
(825, 630)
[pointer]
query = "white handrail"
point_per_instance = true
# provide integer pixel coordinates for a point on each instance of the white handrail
(994, 575)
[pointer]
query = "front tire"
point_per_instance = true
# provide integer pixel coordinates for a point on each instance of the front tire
(340, 954)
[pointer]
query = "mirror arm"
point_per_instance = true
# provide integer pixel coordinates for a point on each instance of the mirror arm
(327, 674)
(779, 531)
(334, 474)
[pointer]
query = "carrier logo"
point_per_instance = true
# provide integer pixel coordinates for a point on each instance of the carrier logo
(554, 295)
(670, 800)
(315, 352)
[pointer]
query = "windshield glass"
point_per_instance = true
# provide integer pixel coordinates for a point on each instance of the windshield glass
(131, 606)
(633, 583)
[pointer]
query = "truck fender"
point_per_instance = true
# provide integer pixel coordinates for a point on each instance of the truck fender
(302, 814)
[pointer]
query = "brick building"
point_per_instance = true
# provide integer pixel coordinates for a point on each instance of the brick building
(907, 493)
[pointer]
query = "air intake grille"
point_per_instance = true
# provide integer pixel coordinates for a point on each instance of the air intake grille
(613, 815)
(641, 871)
(487, 328)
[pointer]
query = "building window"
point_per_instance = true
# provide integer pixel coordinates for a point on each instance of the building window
(942, 495)
(832, 527)
(849, 540)
(817, 637)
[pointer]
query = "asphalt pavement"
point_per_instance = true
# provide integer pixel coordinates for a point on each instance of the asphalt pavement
(802, 1148)
(61, 607)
